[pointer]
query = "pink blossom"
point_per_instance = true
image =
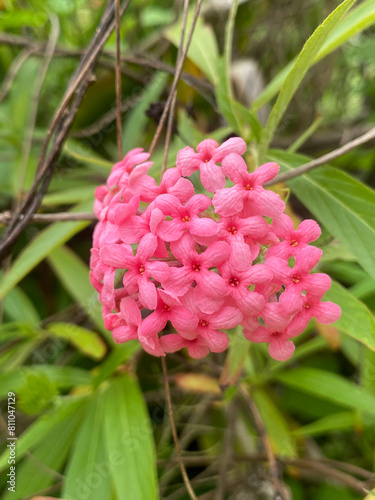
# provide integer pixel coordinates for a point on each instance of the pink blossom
(172, 183)
(139, 268)
(234, 231)
(293, 241)
(248, 194)
(237, 287)
(210, 290)
(192, 265)
(184, 217)
(209, 154)
(298, 278)
(169, 308)
(324, 312)
(129, 319)
(276, 333)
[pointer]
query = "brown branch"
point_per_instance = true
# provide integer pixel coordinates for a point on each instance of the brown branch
(174, 432)
(37, 49)
(6, 217)
(175, 80)
(319, 469)
(266, 443)
(60, 127)
(118, 82)
(368, 136)
(174, 95)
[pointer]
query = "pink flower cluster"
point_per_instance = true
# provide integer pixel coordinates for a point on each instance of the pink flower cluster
(162, 253)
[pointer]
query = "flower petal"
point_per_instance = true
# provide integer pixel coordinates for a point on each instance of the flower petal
(232, 145)
(327, 312)
(265, 172)
(203, 226)
(153, 324)
(235, 168)
(212, 176)
(228, 201)
(130, 311)
(280, 348)
(184, 321)
(147, 293)
(308, 231)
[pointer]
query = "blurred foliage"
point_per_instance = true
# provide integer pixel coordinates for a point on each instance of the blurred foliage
(91, 415)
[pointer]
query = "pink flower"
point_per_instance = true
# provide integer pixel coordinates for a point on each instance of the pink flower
(298, 278)
(293, 241)
(209, 154)
(234, 231)
(324, 312)
(139, 268)
(210, 290)
(248, 194)
(122, 169)
(184, 217)
(172, 183)
(169, 308)
(129, 320)
(238, 283)
(276, 333)
(197, 348)
(192, 265)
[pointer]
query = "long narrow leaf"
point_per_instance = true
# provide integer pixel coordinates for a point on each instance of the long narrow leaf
(304, 61)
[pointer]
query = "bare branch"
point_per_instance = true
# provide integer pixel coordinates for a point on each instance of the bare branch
(118, 82)
(175, 80)
(266, 443)
(6, 217)
(174, 432)
(368, 136)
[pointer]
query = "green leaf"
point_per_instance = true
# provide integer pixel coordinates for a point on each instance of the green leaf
(39, 429)
(276, 426)
(19, 307)
(74, 275)
(137, 119)
(86, 341)
(330, 387)
(87, 474)
(354, 22)
(356, 320)
(342, 204)
(300, 68)
(119, 355)
(41, 246)
(330, 423)
(128, 435)
(236, 357)
(203, 49)
(73, 195)
(41, 470)
(62, 376)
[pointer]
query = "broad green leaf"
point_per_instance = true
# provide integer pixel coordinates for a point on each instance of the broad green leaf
(62, 376)
(137, 119)
(40, 470)
(74, 275)
(119, 355)
(19, 307)
(128, 436)
(86, 155)
(237, 353)
(356, 320)
(306, 57)
(88, 460)
(42, 245)
(86, 341)
(354, 22)
(203, 49)
(38, 430)
(345, 206)
(274, 421)
(330, 387)
(16, 355)
(330, 423)
(73, 195)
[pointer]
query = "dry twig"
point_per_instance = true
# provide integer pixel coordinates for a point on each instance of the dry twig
(303, 169)
(174, 432)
